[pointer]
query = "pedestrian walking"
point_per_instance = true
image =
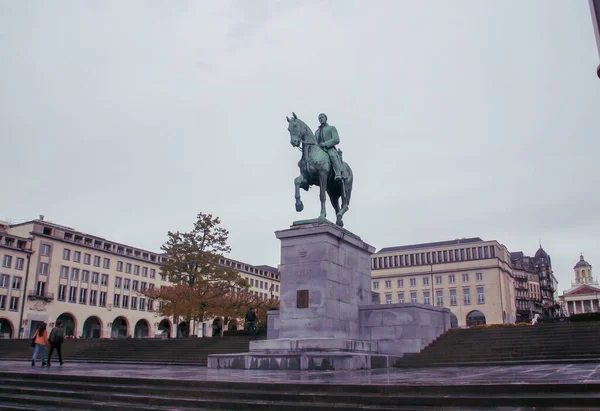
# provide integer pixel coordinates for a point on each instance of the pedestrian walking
(40, 342)
(57, 336)
(251, 321)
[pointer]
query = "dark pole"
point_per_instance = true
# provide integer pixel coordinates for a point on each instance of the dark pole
(433, 297)
(501, 302)
(24, 296)
(595, 10)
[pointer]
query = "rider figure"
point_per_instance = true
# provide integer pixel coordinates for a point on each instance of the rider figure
(327, 137)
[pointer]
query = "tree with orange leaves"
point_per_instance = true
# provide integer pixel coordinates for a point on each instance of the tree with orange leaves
(193, 265)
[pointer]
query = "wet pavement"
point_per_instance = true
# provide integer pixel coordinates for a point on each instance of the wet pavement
(518, 374)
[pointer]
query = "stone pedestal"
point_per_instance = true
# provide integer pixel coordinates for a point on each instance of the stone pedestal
(325, 278)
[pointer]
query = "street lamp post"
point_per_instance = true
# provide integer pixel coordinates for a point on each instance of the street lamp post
(595, 10)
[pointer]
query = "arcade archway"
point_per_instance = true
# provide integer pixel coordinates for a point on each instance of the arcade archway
(69, 323)
(119, 328)
(453, 321)
(475, 318)
(92, 328)
(6, 328)
(184, 329)
(142, 329)
(165, 326)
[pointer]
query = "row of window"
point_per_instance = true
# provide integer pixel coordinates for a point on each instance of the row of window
(124, 283)
(526, 295)
(438, 281)
(248, 269)
(262, 284)
(87, 260)
(7, 262)
(5, 281)
(264, 296)
(439, 297)
(433, 257)
(13, 303)
(89, 297)
(84, 275)
(523, 305)
(14, 243)
(89, 242)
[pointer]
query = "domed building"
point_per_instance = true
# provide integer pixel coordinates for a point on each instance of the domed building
(584, 294)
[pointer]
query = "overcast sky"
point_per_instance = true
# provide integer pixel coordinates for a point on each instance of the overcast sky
(460, 119)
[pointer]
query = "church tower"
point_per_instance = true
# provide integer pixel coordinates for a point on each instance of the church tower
(583, 272)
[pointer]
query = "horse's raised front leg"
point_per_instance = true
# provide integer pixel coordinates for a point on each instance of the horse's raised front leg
(323, 194)
(346, 193)
(335, 202)
(297, 182)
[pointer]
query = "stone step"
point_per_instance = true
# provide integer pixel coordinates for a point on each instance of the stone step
(465, 335)
(56, 403)
(515, 353)
(229, 401)
(557, 342)
(22, 407)
(226, 395)
(497, 357)
(114, 361)
(87, 381)
(442, 364)
(83, 400)
(517, 345)
(506, 338)
(43, 404)
(176, 352)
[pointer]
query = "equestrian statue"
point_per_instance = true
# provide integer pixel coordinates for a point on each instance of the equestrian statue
(321, 165)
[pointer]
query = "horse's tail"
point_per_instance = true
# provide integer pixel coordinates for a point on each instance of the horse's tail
(348, 181)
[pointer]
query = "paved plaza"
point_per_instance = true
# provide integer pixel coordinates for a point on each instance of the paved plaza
(519, 374)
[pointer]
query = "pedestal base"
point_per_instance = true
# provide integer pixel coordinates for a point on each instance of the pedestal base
(306, 354)
(299, 361)
(292, 345)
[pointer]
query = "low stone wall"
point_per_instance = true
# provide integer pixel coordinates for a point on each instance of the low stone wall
(397, 328)
(402, 328)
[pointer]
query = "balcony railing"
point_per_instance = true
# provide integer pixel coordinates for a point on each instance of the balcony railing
(34, 295)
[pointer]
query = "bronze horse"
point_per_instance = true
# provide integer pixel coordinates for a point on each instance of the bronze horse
(315, 170)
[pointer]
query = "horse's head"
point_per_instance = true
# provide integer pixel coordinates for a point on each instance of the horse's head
(296, 129)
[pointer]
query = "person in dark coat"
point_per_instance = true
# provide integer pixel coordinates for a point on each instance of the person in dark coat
(57, 336)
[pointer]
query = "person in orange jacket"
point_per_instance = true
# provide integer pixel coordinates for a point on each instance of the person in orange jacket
(41, 342)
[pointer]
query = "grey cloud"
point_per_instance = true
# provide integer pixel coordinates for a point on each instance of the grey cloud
(459, 119)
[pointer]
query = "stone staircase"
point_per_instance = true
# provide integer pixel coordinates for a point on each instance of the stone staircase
(188, 351)
(542, 343)
(53, 391)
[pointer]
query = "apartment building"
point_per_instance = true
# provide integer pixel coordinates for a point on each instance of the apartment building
(528, 292)
(90, 283)
(15, 252)
(470, 276)
(93, 284)
(536, 286)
